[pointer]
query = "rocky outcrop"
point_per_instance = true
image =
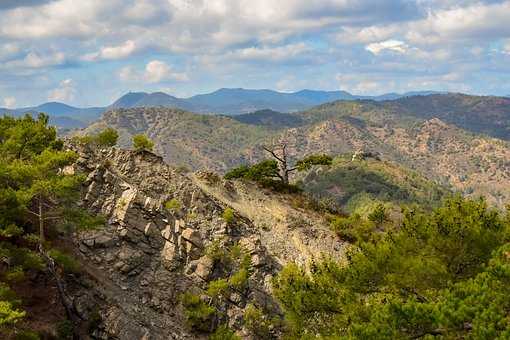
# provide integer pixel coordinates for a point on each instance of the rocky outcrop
(148, 255)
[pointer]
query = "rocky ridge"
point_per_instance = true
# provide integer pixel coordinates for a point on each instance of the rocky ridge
(147, 256)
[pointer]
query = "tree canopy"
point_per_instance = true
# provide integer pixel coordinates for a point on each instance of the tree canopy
(444, 273)
(37, 196)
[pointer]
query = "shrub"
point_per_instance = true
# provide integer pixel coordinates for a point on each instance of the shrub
(228, 215)
(224, 333)
(27, 335)
(173, 205)
(378, 215)
(65, 330)
(307, 162)
(217, 288)
(107, 137)
(141, 142)
(199, 315)
(68, 263)
(256, 322)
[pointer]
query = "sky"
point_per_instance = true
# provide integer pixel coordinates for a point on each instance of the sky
(90, 52)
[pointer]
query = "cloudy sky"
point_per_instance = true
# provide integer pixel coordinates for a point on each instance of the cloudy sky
(89, 52)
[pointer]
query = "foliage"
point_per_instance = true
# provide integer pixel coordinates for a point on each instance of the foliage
(199, 315)
(232, 267)
(358, 186)
(9, 314)
(107, 137)
(267, 172)
(378, 215)
(256, 322)
(27, 335)
(224, 333)
(37, 201)
(228, 215)
(445, 272)
(173, 205)
(65, 330)
(307, 162)
(264, 173)
(67, 262)
(142, 142)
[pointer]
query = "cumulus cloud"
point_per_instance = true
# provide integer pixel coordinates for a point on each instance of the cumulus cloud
(506, 47)
(250, 43)
(390, 45)
(9, 102)
(158, 71)
(112, 52)
(155, 71)
(65, 92)
(9, 50)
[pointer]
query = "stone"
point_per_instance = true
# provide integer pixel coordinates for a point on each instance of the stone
(193, 237)
(258, 260)
(204, 267)
(104, 241)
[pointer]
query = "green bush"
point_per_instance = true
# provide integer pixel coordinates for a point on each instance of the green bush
(379, 214)
(173, 205)
(256, 322)
(67, 262)
(27, 335)
(224, 333)
(199, 315)
(307, 162)
(228, 215)
(217, 288)
(107, 137)
(141, 142)
(65, 330)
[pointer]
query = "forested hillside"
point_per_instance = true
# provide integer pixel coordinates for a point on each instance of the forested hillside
(100, 242)
(443, 151)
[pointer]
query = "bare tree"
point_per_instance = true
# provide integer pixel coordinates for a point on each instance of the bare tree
(279, 152)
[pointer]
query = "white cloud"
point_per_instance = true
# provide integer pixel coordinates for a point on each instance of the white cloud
(155, 71)
(128, 73)
(66, 91)
(8, 50)
(279, 53)
(506, 47)
(9, 102)
(474, 21)
(112, 52)
(158, 71)
(34, 60)
(390, 45)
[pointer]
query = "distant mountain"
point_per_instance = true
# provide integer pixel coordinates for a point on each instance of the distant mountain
(143, 99)
(129, 100)
(239, 101)
(227, 101)
(436, 135)
(62, 115)
(270, 119)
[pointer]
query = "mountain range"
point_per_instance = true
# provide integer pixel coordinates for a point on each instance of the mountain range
(457, 140)
(223, 101)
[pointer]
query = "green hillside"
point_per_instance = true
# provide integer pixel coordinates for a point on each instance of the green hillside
(358, 185)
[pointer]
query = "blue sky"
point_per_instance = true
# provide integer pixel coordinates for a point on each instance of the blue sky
(90, 52)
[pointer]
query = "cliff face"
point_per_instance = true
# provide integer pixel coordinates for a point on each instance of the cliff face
(147, 256)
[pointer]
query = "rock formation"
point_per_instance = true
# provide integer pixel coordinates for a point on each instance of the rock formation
(148, 255)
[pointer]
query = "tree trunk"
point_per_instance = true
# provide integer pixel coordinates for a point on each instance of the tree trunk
(284, 169)
(42, 237)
